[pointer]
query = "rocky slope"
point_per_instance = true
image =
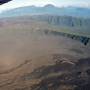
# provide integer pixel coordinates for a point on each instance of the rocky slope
(64, 75)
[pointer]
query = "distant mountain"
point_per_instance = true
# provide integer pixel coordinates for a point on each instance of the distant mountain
(48, 9)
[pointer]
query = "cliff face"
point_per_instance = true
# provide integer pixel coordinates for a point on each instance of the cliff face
(65, 21)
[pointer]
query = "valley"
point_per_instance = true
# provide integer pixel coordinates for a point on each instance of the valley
(35, 55)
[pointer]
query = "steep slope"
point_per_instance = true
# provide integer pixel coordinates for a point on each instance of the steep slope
(68, 21)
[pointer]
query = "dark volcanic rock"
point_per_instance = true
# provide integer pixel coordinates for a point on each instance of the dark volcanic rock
(74, 79)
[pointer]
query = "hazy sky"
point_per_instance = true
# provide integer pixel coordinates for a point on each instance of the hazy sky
(60, 3)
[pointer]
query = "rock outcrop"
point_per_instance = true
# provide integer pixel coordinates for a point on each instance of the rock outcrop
(68, 21)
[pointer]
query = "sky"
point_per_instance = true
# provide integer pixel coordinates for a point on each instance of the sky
(60, 3)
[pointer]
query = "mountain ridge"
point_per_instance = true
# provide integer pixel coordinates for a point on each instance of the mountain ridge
(48, 9)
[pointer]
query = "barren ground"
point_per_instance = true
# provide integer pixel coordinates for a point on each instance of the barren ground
(25, 48)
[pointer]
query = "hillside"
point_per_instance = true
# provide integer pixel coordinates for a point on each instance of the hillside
(56, 25)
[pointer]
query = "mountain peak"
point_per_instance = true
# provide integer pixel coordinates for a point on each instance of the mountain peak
(49, 6)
